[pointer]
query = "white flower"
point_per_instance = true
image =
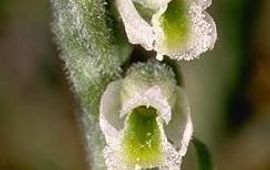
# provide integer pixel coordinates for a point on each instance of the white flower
(145, 118)
(180, 29)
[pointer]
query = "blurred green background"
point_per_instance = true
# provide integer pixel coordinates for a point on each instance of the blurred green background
(228, 88)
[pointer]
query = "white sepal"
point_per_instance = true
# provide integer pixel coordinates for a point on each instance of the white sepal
(137, 29)
(109, 118)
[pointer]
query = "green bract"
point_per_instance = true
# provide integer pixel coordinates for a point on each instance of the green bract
(180, 29)
(145, 118)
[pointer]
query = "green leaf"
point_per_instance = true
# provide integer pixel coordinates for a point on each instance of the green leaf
(204, 157)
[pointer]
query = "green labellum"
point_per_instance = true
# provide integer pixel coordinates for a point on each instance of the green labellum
(175, 24)
(142, 140)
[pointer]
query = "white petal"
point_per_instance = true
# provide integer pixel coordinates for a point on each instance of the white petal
(153, 4)
(137, 29)
(179, 130)
(150, 97)
(110, 121)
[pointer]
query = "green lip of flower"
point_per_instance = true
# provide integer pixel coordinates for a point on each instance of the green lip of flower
(140, 137)
(180, 29)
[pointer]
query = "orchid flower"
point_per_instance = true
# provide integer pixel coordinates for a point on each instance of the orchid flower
(180, 29)
(145, 118)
